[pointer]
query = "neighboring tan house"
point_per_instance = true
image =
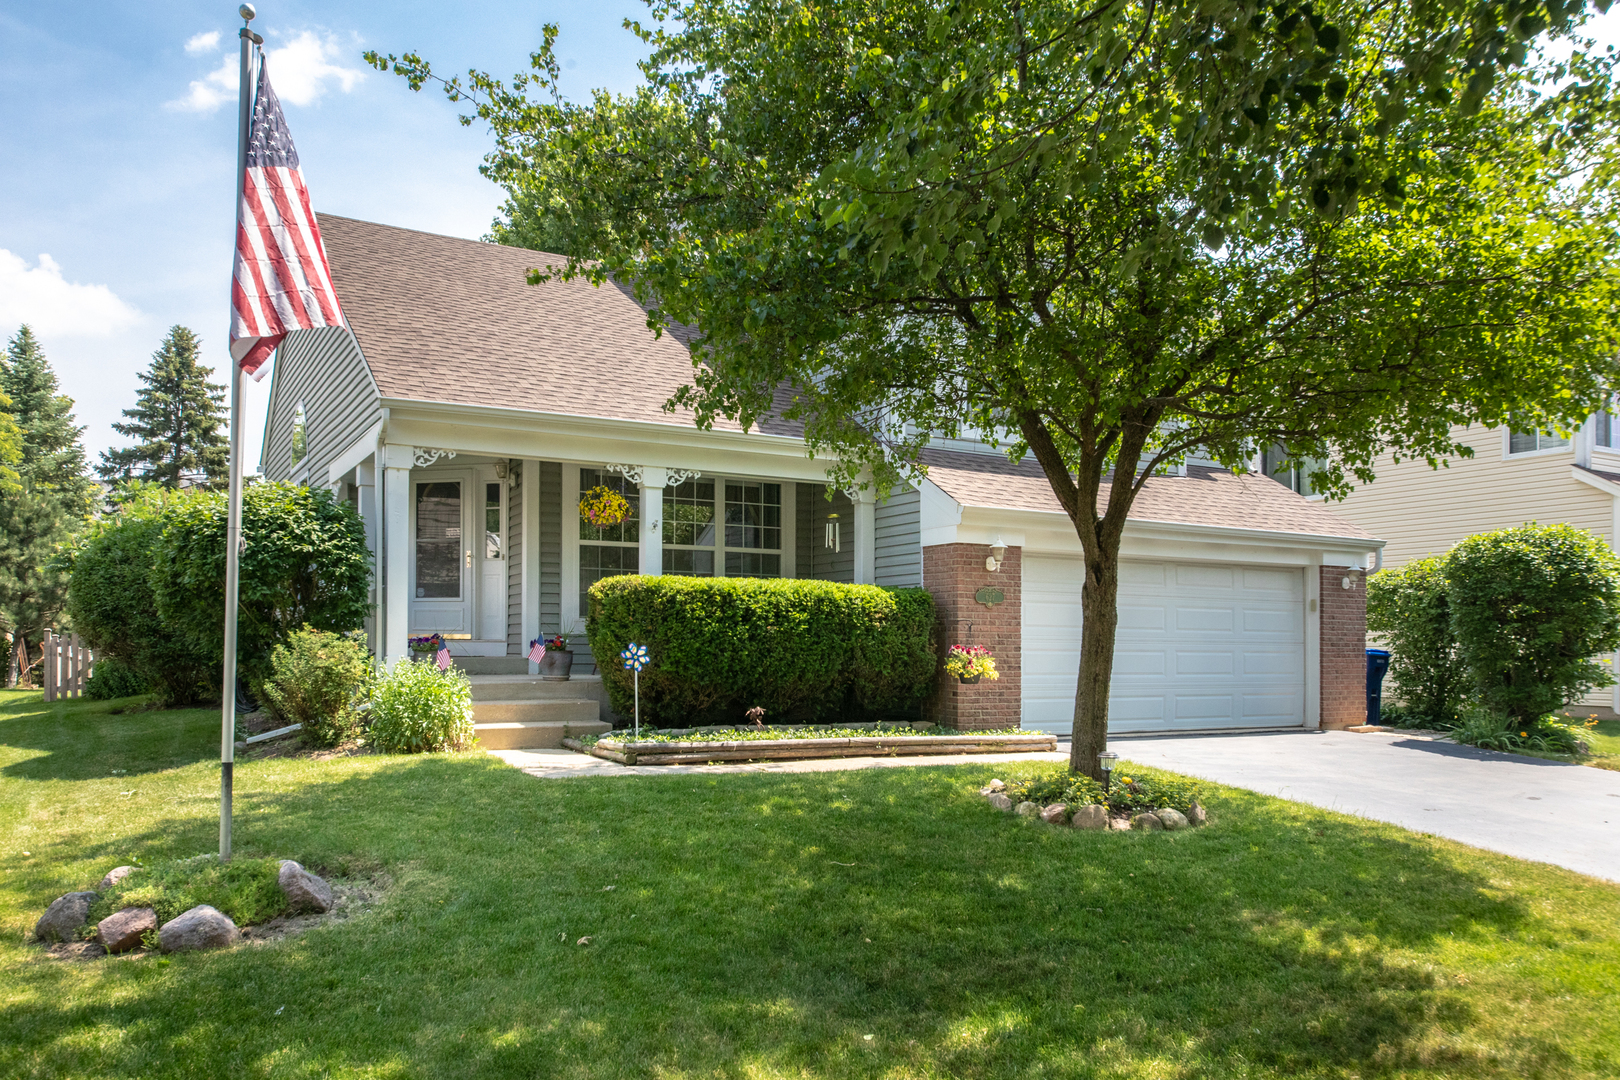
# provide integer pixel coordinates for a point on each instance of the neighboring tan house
(463, 412)
(1511, 479)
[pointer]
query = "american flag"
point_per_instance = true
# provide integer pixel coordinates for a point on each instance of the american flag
(444, 657)
(537, 650)
(281, 282)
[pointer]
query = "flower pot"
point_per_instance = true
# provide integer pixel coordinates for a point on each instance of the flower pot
(422, 656)
(556, 664)
(968, 680)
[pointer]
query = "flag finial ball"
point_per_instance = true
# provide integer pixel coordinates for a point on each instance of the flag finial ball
(247, 12)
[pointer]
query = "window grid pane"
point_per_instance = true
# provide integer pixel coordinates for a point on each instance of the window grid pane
(753, 564)
(689, 514)
(626, 531)
(753, 517)
(598, 562)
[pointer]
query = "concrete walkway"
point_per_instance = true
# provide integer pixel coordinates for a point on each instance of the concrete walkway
(1545, 811)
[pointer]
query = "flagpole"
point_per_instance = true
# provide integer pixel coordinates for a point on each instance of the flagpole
(233, 528)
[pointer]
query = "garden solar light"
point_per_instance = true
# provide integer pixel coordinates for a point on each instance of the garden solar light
(1106, 759)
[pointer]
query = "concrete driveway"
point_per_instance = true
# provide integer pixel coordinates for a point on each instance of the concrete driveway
(1545, 811)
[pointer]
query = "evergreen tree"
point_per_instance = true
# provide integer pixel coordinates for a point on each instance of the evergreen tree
(53, 496)
(177, 418)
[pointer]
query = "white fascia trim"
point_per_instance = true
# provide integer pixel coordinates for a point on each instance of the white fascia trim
(362, 448)
(1042, 519)
(1605, 486)
(553, 436)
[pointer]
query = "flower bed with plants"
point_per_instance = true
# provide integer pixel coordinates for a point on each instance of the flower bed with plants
(686, 746)
(1133, 800)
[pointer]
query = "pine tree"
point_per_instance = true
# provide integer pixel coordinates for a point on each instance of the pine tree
(177, 418)
(52, 499)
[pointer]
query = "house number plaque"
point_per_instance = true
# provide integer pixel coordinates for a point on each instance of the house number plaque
(989, 597)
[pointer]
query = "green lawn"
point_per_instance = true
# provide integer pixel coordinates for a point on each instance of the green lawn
(1606, 744)
(883, 923)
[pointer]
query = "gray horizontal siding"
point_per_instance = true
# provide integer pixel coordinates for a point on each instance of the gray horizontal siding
(813, 560)
(899, 539)
(324, 371)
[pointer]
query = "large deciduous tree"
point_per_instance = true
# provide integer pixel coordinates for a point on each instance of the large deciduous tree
(1111, 232)
(176, 421)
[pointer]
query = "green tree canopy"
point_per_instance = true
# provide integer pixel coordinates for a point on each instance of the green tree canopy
(176, 421)
(1110, 234)
(53, 496)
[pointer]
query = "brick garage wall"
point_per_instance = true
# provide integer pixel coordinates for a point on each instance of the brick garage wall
(1344, 647)
(953, 573)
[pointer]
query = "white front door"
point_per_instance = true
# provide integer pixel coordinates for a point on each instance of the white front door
(489, 555)
(442, 524)
(1199, 646)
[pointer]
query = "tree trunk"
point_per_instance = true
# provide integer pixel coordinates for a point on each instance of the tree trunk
(1099, 607)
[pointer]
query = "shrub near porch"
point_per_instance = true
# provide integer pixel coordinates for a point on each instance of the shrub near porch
(802, 650)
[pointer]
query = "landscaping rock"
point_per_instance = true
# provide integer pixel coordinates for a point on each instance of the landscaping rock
(992, 787)
(1027, 809)
(1147, 822)
(202, 927)
(114, 876)
(304, 891)
(1056, 814)
(1000, 801)
(1123, 824)
(122, 930)
(1173, 819)
(1090, 817)
(1197, 815)
(64, 918)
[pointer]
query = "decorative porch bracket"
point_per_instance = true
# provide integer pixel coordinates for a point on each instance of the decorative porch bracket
(423, 456)
(635, 474)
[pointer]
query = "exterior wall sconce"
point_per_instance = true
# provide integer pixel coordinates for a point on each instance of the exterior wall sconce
(1348, 582)
(501, 469)
(998, 551)
(835, 540)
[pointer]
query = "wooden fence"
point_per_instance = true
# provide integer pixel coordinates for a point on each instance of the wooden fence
(65, 666)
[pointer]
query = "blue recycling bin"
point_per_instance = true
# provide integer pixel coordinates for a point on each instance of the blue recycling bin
(1377, 665)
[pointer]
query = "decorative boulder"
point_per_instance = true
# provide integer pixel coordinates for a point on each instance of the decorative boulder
(1123, 824)
(202, 927)
(1146, 822)
(1000, 801)
(123, 930)
(304, 891)
(1197, 815)
(65, 917)
(114, 876)
(992, 787)
(1173, 819)
(1090, 817)
(1027, 809)
(1056, 814)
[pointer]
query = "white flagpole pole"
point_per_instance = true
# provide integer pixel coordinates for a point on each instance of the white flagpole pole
(233, 529)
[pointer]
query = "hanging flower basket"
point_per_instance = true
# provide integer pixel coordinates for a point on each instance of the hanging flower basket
(970, 663)
(602, 507)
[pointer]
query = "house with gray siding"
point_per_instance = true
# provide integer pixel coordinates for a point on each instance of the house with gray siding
(464, 412)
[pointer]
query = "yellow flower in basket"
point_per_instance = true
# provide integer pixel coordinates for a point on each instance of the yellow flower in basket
(603, 507)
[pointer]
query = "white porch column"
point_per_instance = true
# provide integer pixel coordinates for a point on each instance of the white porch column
(365, 484)
(396, 543)
(653, 480)
(529, 487)
(865, 536)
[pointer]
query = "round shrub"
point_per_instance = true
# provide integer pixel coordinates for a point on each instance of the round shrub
(1408, 612)
(1530, 607)
(801, 650)
(416, 708)
(112, 678)
(317, 680)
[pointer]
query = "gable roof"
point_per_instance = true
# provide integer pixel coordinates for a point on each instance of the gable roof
(441, 319)
(1204, 496)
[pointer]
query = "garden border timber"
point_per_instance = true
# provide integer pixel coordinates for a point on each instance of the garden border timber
(632, 752)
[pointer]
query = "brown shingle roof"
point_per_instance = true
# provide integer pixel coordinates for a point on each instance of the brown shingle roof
(442, 319)
(1202, 497)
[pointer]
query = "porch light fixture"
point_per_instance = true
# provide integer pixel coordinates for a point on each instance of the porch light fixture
(998, 551)
(501, 469)
(1106, 759)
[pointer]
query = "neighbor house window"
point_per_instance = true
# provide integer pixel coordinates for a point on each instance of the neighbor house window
(1295, 477)
(1528, 443)
(300, 445)
(612, 550)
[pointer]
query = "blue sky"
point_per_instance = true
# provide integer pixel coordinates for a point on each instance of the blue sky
(119, 128)
(119, 136)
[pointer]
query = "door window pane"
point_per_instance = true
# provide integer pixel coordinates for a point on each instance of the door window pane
(753, 517)
(625, 532)
(492, 521)
(438, 540)
(597, 562)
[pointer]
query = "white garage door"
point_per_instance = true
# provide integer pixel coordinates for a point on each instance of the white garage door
(1200, 646)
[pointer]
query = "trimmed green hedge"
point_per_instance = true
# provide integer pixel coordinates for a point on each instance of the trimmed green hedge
(803, 650)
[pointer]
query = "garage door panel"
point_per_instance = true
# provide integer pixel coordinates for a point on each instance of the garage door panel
(1198, 645)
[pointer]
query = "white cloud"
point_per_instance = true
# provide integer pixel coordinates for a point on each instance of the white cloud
(301, 69)
(41, 297)
(212, 90)
(207, 41)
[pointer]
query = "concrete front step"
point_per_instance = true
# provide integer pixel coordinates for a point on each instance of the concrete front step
(516, 687)
(492, 665)
(534, 734)
(576, 710)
